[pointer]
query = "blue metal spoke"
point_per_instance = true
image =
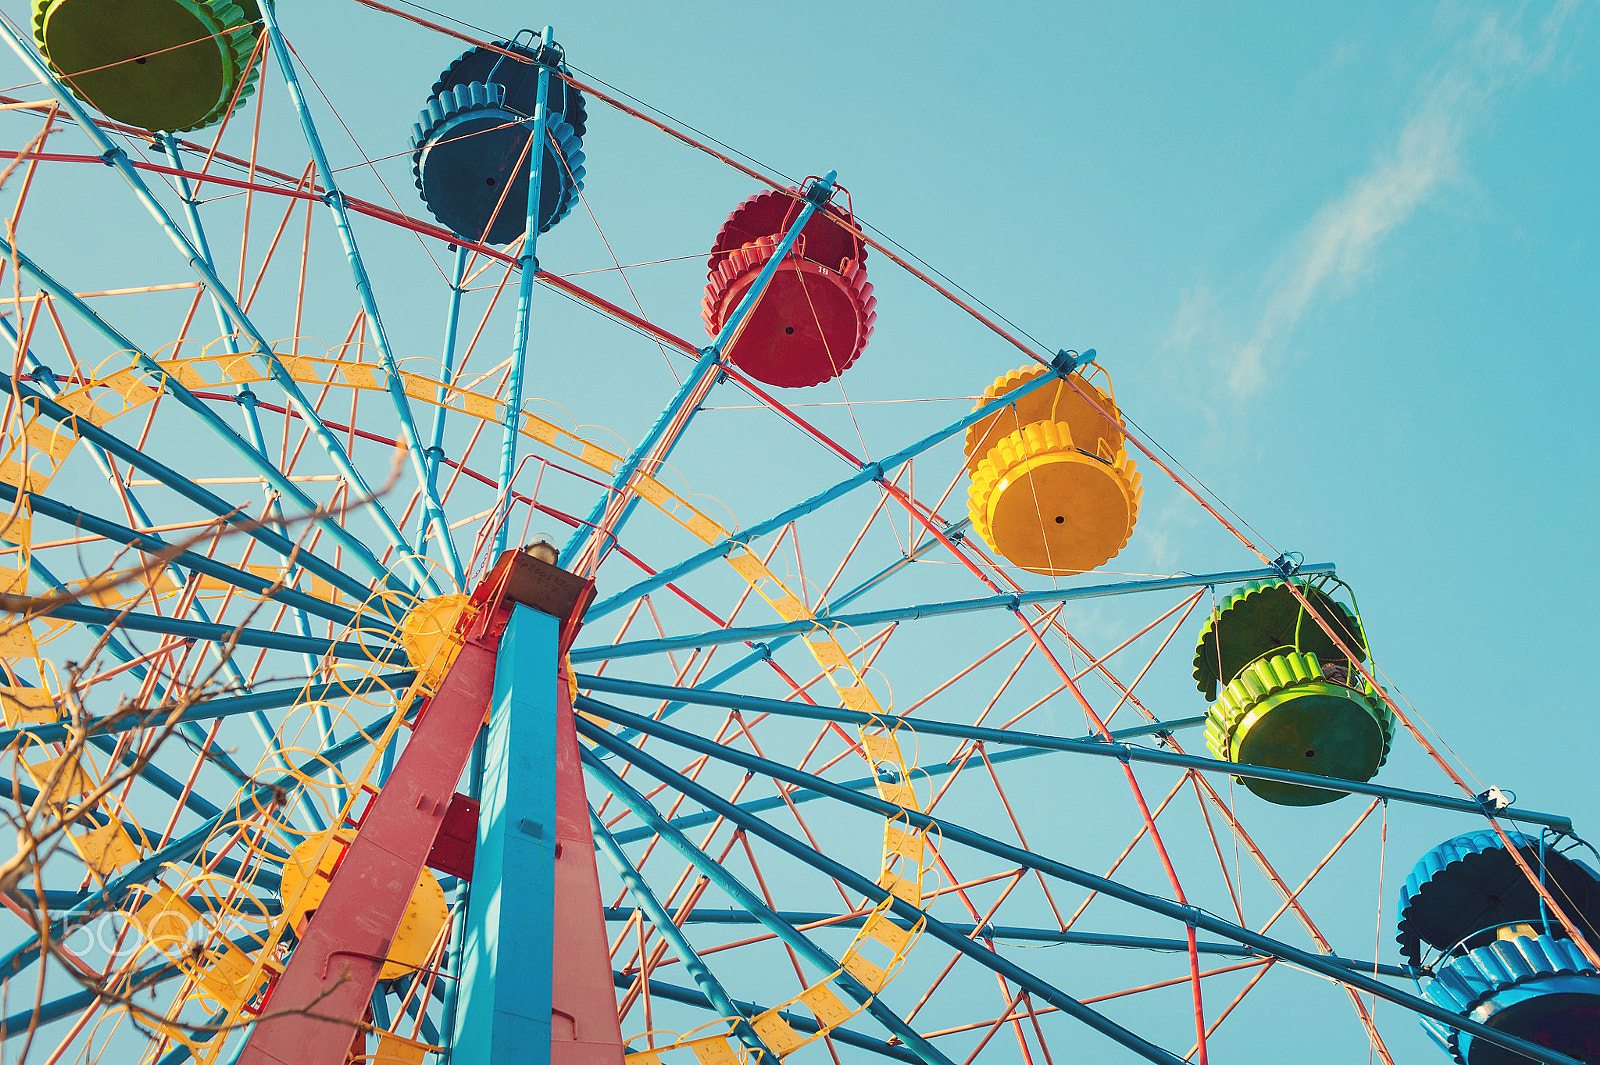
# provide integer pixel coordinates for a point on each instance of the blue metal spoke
(869, 474)
(1015, 601)
(1100, 748)
(860, 884)
(952, 832)
(762, 652)
(279, 480)
(150, 543)
(261, 349)
(221, 633)
(123, 653)
(243, 396)
(393, 383)
(447, 365)
(713, 870)
(673, 935)
(215, 709)
(528, 264)
(262, 532)
(117, 891)
(158, 778)
(191, 210)
(1030, 935)
(922, 772)
(670, 426)
(103, 460)
(20, 1024)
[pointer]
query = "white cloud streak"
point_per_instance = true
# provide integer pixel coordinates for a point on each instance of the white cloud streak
(1338, 244)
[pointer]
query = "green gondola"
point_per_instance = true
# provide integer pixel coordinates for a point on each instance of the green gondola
(1285, 696)
(170, 65)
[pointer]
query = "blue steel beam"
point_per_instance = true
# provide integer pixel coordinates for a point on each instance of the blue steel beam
(869, 474)
(923, 772)
(369, 304)
(528, 265)
(849, 877)
(1099, 748)
(243, 396)
(150, 543)
(191, 210)
(123, 653)
(213, 709)
(704, 978)
(279, 480)
(1015, 601)
(48, 380)
(447, 364)
(116, 891)
(117, 158)
(669, 427)
(263, 532)
(954, 531)
(797, 1020)
(949, 832)
(1030, 935)
(152, 975)
(104, 630)
(504, 996)
(220, 633)
(713, 870)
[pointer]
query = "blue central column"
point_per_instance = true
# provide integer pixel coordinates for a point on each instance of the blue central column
(504, 998)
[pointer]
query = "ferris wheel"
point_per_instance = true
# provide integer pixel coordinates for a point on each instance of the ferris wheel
(369, 698)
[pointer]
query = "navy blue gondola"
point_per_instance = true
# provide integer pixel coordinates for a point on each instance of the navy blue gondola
(470, 145)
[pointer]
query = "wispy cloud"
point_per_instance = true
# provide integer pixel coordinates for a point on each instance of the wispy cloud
(1338, 244)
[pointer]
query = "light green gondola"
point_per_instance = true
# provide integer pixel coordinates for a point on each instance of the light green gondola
(170, 65)
(1285, 696)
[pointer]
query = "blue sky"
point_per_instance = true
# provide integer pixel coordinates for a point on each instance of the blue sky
(1343, 262)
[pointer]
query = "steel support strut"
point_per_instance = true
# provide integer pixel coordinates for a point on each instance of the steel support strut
(819, 959)
(528, 263)
(328, 981)
(761, 633)
(662, 921)
(611, 510)
(951, 832)
(182, 485)
(870, 474)
(432, 510)
(1098, 747)
(117, 158)
(858, 883)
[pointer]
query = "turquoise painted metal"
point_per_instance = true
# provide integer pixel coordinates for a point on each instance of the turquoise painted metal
(665, 927)
(1493, 954)
(1463, 889)
(676, 415)
(952, 832)
(752, 903)
(261, 350)
(369, 304)
(870, 474)
(1096, 747)
(503, 1001)
(539, 177)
